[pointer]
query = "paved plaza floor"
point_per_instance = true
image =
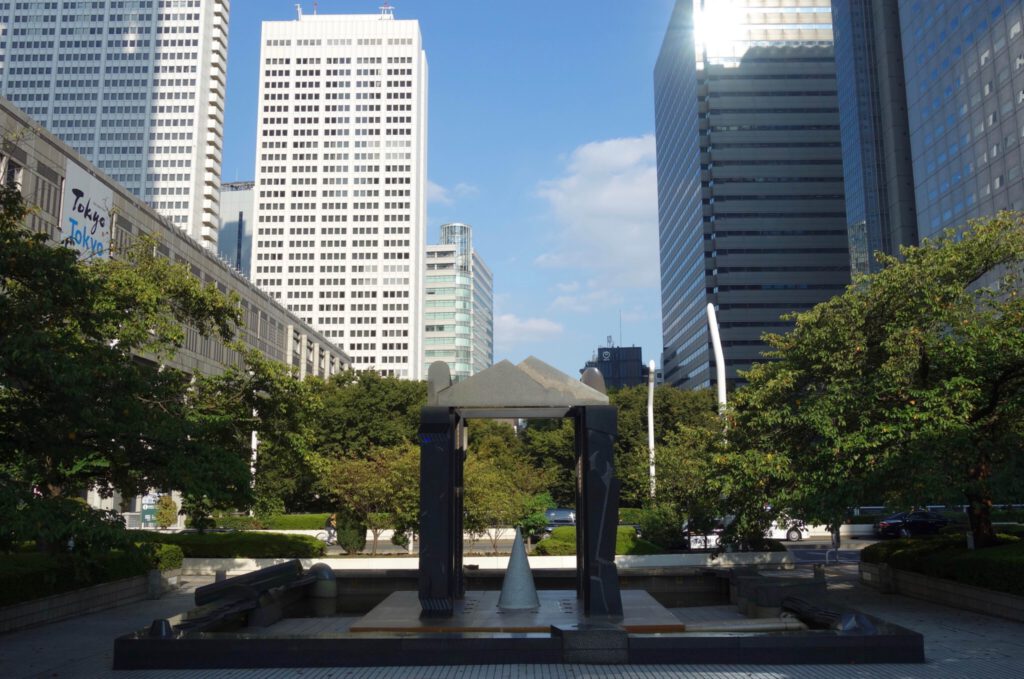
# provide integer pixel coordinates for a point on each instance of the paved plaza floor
(957, 644)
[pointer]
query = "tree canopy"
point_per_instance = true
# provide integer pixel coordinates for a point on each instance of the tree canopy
(906, 388)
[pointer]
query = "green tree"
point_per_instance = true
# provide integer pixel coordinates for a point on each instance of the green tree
(82, 399)
(362, 410)
(672, 407)
(166, 511)
(550, 444)
(374, 487)
(908, 386)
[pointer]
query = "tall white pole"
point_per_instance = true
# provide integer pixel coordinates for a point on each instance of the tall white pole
(650, 420)
(716, 343)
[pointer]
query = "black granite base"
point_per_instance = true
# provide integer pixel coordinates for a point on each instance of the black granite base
(892, 644)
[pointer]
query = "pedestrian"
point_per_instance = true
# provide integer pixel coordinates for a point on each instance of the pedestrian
(331, 525)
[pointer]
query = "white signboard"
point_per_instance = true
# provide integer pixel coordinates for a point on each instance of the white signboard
(85, 213)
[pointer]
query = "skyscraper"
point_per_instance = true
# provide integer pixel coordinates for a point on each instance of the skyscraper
(136, 87)
(751, 213)
(459, 307)
(964, 67)
(878, 175)
(340, 181)
(234, 244)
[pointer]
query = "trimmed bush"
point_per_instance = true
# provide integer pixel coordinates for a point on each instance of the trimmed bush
(295, 521)
(27, 576)
(562, 542)
(946, 556)
(239, 545)
(164, 557)
(239, 522)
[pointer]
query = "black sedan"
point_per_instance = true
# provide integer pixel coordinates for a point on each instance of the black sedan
(907, 524)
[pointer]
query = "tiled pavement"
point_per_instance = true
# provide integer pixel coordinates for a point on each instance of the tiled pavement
(957, 644)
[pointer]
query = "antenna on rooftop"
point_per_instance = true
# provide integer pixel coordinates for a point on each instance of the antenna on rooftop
(298, 9)
(316, 6)
(387, 11)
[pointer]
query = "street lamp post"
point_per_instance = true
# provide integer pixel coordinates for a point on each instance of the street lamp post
(650, 421)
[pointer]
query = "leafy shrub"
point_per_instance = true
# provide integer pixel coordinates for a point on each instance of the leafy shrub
(562, 542)
(351, 532)
(163, 557)
(166, 511)
(66, 524)
(27, 576)
(239, 545)
(663, 525)
(946, 556)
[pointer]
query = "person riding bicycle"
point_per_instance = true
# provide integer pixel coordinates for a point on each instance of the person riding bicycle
(331, 526)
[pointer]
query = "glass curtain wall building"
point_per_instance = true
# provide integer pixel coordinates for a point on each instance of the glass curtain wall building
(459, 306)
(750, 191)
(964, 68)
(878, 175)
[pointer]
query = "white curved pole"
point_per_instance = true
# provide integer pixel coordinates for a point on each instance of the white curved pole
(650, 420)
(716, 343)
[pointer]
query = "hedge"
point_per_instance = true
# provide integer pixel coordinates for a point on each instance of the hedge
(946, 556)
(562, 542)
(272, 522)
(239, 545)
(630, 515)
(30, 575)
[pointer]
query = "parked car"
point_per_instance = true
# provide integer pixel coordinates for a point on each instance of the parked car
(559, 516)
(792, 530)
(907, 524)
(694, 538)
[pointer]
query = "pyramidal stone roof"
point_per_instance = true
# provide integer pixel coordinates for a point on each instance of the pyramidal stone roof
(531, 384)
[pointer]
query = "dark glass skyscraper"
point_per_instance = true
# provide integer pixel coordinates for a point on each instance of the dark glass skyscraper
(878, 176)
(964, 68)
(750, 184)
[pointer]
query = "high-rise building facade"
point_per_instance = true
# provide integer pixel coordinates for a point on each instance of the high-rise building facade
(757, 226)
(136, 87)
(234, 243)
(340, 182)
(878, 175)
(964, 68)
(459, 306)
(619, 366)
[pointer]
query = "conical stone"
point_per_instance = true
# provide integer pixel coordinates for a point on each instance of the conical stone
(518, 593)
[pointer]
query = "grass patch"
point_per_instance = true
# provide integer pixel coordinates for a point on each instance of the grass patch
(563, 543)
(239, 545)
(946, 556)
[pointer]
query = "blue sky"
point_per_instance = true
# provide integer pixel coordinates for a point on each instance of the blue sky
(541, 135)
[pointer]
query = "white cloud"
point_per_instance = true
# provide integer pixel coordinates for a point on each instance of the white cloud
(440, 194)
(437, 194)
(464, 189)
(606, 209)
(510, 331)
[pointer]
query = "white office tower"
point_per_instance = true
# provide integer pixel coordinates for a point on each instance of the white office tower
(341, 179)
(459, 312)
(136, 87)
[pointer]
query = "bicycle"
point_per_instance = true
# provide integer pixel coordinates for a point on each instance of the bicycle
(322, 536)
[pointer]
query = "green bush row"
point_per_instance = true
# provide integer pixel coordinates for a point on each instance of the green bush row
(946, 556)
(30, 575)
(630, 515)
(272, 522)
(562, 542)
(239, 545)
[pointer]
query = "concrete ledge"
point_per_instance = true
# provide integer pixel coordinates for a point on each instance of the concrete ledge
(193, 566)
(945, 592)
(76, 602)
